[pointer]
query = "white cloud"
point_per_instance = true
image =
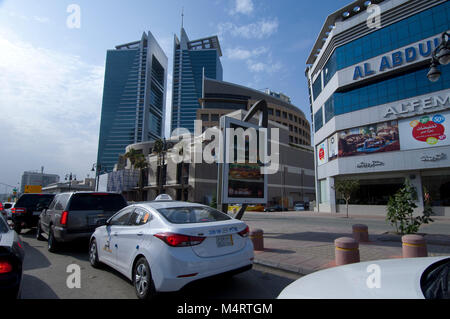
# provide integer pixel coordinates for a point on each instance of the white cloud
(50, 103)
(243, 6)
(267, 67)
(243, 54)
(258, 30)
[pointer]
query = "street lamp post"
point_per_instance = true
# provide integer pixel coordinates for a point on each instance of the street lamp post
(97, 168)
(441, 56)
(69, 177)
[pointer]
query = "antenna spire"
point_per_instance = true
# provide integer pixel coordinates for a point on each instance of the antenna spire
(182, 17)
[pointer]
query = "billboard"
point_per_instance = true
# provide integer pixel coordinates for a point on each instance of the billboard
(333, 149)
(242, 181)
(322, 153)
(374, 138)
(33, 189)
(424, 131)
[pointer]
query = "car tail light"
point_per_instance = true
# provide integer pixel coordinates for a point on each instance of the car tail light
(245, 232)
(63, 220)
(177, 240)
(1, 206)
(5, 267)
(18, 210)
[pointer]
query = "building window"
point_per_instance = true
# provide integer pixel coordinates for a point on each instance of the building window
(295, 119)
(290, 117)
(278, 113)
(438, 188)
(296, 140)
(270, 111)
(329, 109)
(291, 139)
(295, 129)
(317, 87)
(374, 191)
(291, 128)
(214, 117)
(318, 120)
(205, 117)
(284, 115)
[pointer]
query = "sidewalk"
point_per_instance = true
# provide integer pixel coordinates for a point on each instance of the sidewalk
(306, 249)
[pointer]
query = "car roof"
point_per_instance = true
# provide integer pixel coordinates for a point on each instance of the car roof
(168, 204)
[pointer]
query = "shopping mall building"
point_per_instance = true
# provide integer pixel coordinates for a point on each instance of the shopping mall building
(376, 116)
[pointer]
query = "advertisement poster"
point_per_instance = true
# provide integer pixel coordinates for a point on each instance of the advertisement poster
(376, 138)
(245, 180)
(424, 131)
(322, 153)
(333, 143)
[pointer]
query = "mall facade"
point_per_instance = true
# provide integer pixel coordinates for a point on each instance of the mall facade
(376, 116)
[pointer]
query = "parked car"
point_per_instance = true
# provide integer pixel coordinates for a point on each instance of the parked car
(299, 206)
(26, 211)
(274, 208)
(11, 260)
(408, 278)
(163, 245)
(7, 206)
(74, 216)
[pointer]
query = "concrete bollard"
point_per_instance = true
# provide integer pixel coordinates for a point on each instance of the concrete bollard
(347, 251)
(360, 232)
(414, 246)
(257, 237)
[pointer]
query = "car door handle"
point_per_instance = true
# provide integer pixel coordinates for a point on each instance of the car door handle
(140, 234)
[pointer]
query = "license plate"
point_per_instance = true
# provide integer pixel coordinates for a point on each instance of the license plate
(36, 213)
(225, 240)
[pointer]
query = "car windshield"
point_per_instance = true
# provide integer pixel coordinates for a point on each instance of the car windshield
(3, 226)
(97, 201)
(435, 281)
(28, 200)
(188, 215)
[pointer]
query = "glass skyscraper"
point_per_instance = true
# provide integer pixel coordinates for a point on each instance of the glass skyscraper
(133, 108)
(192, 60)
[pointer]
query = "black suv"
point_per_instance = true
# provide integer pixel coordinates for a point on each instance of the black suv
(27, 209)
(74, 216)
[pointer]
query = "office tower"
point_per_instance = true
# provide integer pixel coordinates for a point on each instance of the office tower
(133, 108)
(192, 60)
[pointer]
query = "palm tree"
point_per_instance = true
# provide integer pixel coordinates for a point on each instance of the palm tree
(159, 148)
(139, 162)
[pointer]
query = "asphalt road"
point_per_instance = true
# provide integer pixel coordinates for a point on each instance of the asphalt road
(45, 276)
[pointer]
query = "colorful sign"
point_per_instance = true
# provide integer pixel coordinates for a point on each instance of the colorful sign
(425, 131)
(375, 138)
(33, 189)
(322, 153)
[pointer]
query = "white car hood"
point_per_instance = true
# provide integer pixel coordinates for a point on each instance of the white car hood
(399, 279)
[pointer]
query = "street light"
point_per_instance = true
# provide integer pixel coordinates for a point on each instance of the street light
(97, 168)
(69, 177)
(441, 56)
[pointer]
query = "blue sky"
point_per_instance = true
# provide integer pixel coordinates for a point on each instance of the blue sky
(51, 76)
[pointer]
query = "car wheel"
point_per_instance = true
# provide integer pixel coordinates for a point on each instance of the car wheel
(52, 244)
(142, 280)
(39, 231)
(93, 254)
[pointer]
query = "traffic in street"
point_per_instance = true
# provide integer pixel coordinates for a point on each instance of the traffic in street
(45, 277)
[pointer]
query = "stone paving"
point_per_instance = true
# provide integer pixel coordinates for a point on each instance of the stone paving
(305, 249)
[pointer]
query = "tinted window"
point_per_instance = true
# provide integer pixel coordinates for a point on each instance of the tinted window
(3, 226)
(140, 217)
(94, 201)
(61, 201)
(7, 206)
(435, 281)
(33, 200)
(122, 217)
(187, 215)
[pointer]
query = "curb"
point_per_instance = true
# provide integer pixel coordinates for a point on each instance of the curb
(285, 267)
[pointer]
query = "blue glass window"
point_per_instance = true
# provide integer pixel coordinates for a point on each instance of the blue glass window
(317, 87)
(318, 120)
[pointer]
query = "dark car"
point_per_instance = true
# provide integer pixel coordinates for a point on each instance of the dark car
(74, 216)
(274, 208)
(11, 260)
(26, 211)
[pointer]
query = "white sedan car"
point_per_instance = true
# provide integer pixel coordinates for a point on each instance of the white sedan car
(409, 278)
(164, 244)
